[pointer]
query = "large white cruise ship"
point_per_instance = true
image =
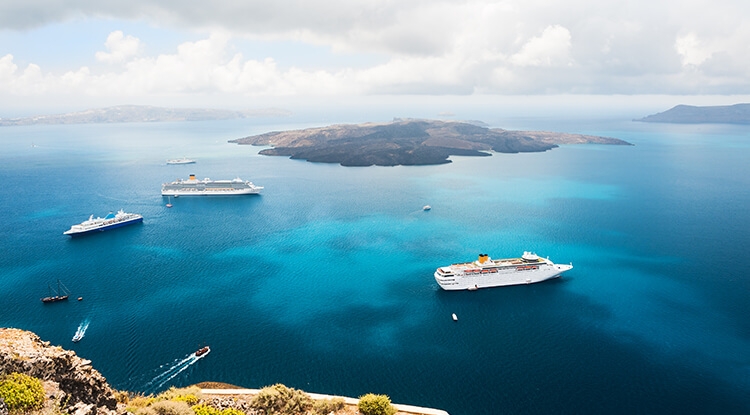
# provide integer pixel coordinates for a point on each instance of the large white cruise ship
(111, 221)
(486, 272)
(208, 187)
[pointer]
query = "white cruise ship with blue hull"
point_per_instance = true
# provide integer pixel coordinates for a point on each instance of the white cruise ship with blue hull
(486, 272)
(111, 221)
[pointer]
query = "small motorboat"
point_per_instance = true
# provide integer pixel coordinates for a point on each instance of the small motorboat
(455, 317)
(202, 351)
(426, 207)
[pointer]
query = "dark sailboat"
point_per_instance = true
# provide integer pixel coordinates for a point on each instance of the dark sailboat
(61, 294)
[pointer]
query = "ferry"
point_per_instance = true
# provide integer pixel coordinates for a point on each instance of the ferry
(208, 187)
(486, 272)
(202, 351)
(111, 221)
(183, 160)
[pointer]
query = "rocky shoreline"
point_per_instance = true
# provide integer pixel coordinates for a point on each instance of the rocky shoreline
(73, 386)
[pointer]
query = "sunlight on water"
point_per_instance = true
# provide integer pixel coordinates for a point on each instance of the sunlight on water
(328, 274)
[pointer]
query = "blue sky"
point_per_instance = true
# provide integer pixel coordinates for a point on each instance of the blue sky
(84, 53)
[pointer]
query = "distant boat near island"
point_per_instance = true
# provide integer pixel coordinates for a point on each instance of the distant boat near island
(183, 160)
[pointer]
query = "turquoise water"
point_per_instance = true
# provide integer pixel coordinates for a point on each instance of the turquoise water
(324, 282)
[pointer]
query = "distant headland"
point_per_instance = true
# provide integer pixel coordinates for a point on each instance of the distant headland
(688, 114)
(141, 113)
(409, 142)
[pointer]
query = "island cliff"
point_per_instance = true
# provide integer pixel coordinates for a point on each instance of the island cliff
(688, 114)
(67, 378)
(408, 142)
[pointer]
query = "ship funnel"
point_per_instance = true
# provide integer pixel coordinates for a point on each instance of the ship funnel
(192, 177)
(483, 258)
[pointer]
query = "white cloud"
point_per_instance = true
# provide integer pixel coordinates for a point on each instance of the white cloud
(327, 47)
(120, 48)
(7, 69)
(552, 48)
(691, 49)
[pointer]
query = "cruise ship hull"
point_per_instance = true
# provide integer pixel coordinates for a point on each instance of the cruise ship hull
(100, 225)
(104, 228)
(208, 192)
(515, 271)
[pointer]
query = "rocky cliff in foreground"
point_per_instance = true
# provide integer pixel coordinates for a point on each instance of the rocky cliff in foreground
(67, 378)
(409, 142)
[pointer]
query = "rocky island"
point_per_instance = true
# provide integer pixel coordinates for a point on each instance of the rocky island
(688, 114)
(408, 142)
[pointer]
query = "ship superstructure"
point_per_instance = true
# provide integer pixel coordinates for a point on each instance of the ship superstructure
(111, 221)
(208, 187)
(486, 272)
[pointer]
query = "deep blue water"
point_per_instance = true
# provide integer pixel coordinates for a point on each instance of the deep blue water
(324, 282)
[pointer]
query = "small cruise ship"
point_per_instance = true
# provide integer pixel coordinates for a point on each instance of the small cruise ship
(183, 160)
(208, 187)
(486, 272)
(111, 221)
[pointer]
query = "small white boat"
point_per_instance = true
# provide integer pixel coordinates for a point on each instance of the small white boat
(81, 331)
(183, 160)
(426, 207)
(455, 317)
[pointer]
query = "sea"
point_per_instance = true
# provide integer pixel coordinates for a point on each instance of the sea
(324, 282)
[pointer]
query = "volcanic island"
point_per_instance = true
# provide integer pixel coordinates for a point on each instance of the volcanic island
(409, 142)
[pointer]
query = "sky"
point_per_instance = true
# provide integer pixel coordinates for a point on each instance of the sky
(78, 54)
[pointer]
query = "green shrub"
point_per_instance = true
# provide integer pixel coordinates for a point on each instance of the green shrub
(122, 396)
(144, 411)
(191, 395)
(326, 406)
(21, 392)
(204, 409)
(372, 404)
(137, 402)
(171, 408)
(280, 400)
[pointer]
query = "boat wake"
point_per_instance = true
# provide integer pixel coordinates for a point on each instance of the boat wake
(81, 331)
(171, 372)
